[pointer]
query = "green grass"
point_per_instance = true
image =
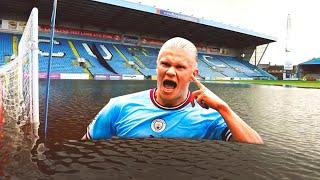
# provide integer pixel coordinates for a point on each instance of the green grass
(295, 83)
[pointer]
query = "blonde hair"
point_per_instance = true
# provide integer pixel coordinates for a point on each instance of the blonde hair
(180, 43)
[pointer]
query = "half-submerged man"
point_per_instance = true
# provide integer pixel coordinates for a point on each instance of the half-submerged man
(171, 110)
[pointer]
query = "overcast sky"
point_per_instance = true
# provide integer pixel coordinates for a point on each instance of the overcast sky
(268, 17)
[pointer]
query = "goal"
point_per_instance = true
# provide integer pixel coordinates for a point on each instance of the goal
(19, 89)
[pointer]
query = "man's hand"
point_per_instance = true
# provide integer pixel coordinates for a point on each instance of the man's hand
(84, 137)
(241, 132)
(205, 97)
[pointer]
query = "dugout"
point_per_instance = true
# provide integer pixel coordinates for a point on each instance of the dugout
(309, 70)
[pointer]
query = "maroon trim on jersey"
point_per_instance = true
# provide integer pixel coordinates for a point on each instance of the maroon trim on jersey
(154, 101)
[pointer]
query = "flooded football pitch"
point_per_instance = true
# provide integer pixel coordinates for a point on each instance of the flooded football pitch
(286, 118)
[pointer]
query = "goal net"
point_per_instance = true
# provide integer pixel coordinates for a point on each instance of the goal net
(19, 90)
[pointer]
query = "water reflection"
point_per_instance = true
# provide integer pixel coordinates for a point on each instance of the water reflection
(16, 144)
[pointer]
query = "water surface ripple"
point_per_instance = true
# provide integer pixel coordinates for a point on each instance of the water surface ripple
(286, 118)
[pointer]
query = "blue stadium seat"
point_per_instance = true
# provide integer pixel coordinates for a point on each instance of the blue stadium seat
(144, 57)
(63, 57)
(5, 46)
(95, 67)
(116, 62)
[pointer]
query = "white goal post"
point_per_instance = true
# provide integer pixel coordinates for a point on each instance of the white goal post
(19, 84)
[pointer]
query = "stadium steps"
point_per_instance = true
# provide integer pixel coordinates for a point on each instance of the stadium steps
(126, 60)
(139, 62)
(73, 49)
(213, 69)
(228, 70)
(15, 45)
(94, 64)
(108, 54)
(77, 55)
(86, 70)
(206, 72)
(142, 66)
(101, 60)
(261, 71)
(139, 70)
(151, 51)
(236, 65)
(144, 52)
(231, 67)
(139, 56)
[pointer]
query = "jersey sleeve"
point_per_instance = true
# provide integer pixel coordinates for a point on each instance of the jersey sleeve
(101, 126)
(218, 129)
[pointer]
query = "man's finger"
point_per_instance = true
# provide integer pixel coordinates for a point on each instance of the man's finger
(204, 105)
(197, 82)
(194, 95)
(201, 102)
(192, 102)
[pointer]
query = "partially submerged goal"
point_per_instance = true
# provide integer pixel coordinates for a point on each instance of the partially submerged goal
(19, 89)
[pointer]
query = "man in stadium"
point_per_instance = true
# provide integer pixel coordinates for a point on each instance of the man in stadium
(171, 110)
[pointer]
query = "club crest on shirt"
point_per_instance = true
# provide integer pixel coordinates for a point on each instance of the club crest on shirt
(158, 125)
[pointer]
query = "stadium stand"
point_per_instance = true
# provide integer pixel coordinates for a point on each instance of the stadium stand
(310, 70)
(112, 58)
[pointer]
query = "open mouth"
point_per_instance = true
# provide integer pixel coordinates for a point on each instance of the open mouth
(168, 84)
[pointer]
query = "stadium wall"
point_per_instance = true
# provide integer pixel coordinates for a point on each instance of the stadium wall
(64, 76)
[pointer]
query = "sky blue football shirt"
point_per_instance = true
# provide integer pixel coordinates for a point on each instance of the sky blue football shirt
(138, 115)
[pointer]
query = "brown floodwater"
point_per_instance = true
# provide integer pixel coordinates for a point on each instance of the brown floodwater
(286, 118)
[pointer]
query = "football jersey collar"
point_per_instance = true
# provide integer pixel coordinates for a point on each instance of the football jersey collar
(183, 104)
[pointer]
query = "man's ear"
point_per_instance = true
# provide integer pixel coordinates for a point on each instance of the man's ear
(195, 72)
